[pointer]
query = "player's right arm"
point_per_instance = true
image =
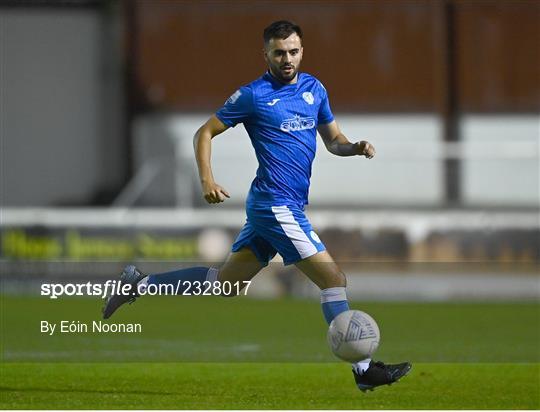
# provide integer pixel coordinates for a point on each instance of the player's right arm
(236, 109)
(202, 143)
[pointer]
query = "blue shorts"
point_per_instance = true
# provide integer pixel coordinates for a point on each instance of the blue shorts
(278, 229)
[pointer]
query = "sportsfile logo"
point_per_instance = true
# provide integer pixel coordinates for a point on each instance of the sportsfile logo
(297, 123)
(114, 287)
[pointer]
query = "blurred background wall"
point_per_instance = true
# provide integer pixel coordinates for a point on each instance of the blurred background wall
(61, 105)
(100, 100)
(83, 82)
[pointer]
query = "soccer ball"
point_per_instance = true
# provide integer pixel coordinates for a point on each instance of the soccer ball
(353, 336)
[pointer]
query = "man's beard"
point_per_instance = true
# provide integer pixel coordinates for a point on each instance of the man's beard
(278, 74)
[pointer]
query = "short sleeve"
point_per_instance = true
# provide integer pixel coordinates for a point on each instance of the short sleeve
(325, 115)
(238, 108)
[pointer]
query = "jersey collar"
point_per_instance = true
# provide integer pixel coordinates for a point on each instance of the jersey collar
(275, 81)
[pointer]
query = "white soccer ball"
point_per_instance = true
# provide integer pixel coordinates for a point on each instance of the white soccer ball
(353, 336)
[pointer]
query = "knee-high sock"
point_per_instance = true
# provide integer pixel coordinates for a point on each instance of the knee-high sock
(176, 278)
(334, 301)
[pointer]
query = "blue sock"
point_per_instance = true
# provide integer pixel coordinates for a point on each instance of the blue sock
(176, 278)
(333, 301)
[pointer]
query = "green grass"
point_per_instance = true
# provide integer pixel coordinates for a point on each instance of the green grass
(263, 386)
(212, 353)
(241, 329)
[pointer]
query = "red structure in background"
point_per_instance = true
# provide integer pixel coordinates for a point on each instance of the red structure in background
(374, 56)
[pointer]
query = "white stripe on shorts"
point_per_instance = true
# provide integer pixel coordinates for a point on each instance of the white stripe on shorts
(212, 275)
(294, 232)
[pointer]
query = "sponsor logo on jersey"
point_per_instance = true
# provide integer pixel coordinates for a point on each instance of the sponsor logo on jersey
(234, 97)
(308, 97)
(273, 102)
(297, 123)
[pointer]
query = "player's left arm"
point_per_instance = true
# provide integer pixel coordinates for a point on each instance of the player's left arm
(338, 144)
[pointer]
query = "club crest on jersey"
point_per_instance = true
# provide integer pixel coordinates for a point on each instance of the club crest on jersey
(234, 97)
(308, 97)
(297, 123)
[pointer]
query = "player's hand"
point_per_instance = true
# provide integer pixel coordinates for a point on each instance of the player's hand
(365, 149)
(214, 193)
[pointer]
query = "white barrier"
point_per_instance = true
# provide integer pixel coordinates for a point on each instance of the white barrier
(415, 223)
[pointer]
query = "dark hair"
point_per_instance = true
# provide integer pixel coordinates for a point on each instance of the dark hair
(281, 30)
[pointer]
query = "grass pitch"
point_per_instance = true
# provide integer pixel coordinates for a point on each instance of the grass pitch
(263, 386)
(212, 353)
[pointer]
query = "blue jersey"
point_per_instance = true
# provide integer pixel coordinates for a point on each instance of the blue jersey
(281, 120)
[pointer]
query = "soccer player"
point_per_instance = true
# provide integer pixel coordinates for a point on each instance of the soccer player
(281, 112)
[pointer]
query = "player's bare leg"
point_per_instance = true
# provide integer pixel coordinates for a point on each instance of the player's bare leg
(326, 274)
(239, 266)
(323, 271)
